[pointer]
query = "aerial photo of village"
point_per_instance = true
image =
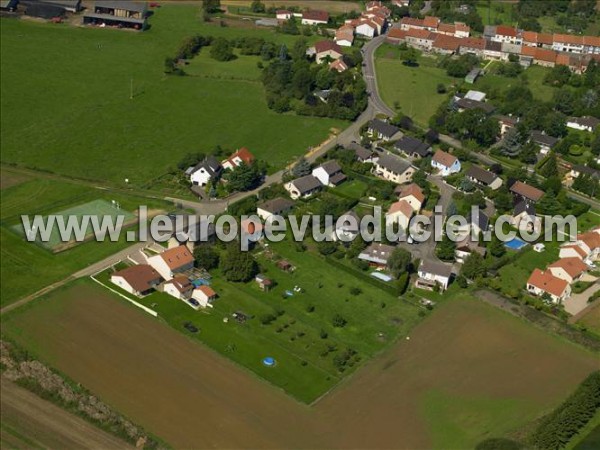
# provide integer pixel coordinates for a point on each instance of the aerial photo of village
(300, 224)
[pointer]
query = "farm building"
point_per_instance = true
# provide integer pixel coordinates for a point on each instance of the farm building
(120, 14)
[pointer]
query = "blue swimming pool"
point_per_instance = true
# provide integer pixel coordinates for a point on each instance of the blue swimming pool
(200, 282)
(515, 244)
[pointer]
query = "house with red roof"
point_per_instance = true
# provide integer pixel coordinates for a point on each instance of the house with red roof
(396, 36)
(446, 163)
(204, 295)
(568, 269)
(445, 44)
(172, 262)
(507, 34)
(542, 283)
(412, 194)
(420, 38)
(243, 155)
(315, 17)
(344, 35)
(327, 50)
(399, 213)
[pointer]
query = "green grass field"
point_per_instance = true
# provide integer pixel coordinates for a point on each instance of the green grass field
(375, 319)
(535, 77)
(495, 12)
(66, 107)
(27, 267)
(413, 88)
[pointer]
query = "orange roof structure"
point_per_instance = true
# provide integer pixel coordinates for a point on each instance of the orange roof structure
(547, 282)
(207, 290)
(591, 239)
(177, 257)
(444, 158)
(412, 189)
(526, 191)
(431, 22)
(401, 206)
(505, 30)
(573, 266)
(446, 42)
(396, 33)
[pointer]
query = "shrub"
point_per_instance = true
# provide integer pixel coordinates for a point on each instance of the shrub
(338, 321)
(266, 319)
(355, 291)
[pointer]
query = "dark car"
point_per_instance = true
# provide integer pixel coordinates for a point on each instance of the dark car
(193, 302)
(190, 327)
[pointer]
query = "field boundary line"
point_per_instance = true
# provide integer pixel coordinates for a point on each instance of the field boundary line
(130, 300)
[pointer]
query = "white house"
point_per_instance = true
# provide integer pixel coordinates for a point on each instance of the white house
(466, 247)
(400, 212)
(432, 273)
(568, 269)
(585, 123)
(329, 173)
(204, 295)
(275, 207)
(179, 287)
(524, 218)
(394, 169)
(412, 194)
(282, 14)
(204, 171)
(137, 280)
(367, 28)
(545, 141)
(446, 163)
(484, 177)
(315, 17)
(344, 36)
(303, 187)
(376, 254)
(540, 283)
(243, 155)
(172, 262)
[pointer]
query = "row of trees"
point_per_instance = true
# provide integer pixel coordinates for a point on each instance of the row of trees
(557, 428)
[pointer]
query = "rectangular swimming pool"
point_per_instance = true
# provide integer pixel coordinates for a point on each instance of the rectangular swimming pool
(515, 244)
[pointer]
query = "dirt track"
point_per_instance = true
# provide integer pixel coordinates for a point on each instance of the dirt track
(194, 398)
(31, 422)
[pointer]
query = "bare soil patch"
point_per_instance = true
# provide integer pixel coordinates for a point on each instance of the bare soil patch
(192, 397)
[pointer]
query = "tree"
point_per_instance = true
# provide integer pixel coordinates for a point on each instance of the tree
(441, 88)
(237, 265)
(473, 267)
(327, 247)
(549, 204)
(558, 76)
(550, 168)
(496, 247)
(445, 248)
(206, 257)
(511, 143)
(555, 124)
(301, 168)
(410, 56)
(257, 6)
(221, 50)
(211, 6)
(243, 177)
(399, 261)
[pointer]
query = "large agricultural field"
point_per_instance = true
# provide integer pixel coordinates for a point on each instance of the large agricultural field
(66, 106)
(418, 393)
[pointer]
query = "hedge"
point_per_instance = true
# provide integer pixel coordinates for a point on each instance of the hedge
(557, 428)
(367, 278)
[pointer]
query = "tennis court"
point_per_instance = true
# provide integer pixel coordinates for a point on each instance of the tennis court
(95, 208)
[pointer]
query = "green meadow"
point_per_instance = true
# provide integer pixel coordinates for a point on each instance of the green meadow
(95, 104)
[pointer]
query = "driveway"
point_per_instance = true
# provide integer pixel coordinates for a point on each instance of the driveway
(578, 302)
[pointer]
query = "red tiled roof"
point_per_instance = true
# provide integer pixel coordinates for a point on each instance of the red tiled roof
(544, 38)
(177, 257)
(139, 277)
(567, 39)
(316, 15)
(412, 189)
(591, 239)
(444, 158)
(505, 30)
(431, 21)
(446, 42)
(324, 46)
(181, 283)
(526, 50)
(462, 27)
(401, 206)
(545, 54)
(420, 33)
(338, 65)
(470, 42)
(530, 36)
(412, 21)
(563, 59)
(573, 266)
(591, 40)
(207, 290)
(447, 28)
(244, 154)
(396, 33)
(547, 282)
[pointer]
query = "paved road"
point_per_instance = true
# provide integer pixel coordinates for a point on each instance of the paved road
(28, 421)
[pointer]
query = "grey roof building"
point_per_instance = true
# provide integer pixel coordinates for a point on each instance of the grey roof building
(382, 130)
(413, 147)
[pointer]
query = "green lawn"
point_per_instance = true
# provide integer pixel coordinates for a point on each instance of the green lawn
(374, 317)
(353, 189)
(513, 276)
(499, 12)
(413, 88)
(27, 267)
(66, 107)
(535, 76)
